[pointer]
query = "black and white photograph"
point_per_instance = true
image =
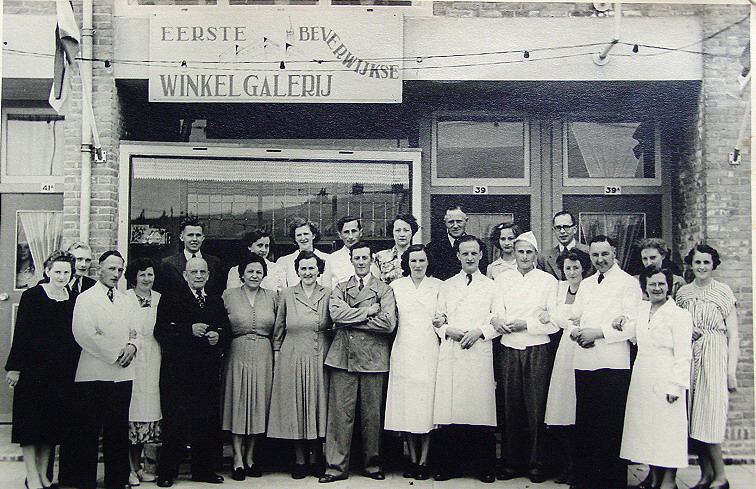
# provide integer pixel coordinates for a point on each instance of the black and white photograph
(376, 243)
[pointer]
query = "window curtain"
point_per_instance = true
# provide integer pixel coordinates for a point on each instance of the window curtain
(607, 148)
(34, 147)
(44, 232)
(625, 228)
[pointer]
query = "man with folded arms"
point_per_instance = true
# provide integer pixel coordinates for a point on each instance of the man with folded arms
(524, 363)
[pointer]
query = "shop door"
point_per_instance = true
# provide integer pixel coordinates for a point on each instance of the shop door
(27, 221)
(483, 212)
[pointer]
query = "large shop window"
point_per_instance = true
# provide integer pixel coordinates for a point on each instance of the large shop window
(235, 195)
(614, 152)
(471, 150)
(33, 146)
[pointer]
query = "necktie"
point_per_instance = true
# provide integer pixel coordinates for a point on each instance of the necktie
(200, 299)
(194, 255)
(75, 287)
(600, 277)
(111, 295)
(362, 284)
(469, 278)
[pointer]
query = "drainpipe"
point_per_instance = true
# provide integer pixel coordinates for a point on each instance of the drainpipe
(85, 70)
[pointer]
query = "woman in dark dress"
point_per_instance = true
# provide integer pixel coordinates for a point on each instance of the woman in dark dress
(41, 367)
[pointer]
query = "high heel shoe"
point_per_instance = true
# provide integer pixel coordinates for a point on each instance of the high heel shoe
(726, 485)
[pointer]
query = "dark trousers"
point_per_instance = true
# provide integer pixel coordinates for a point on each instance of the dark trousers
(102, 406)
(521, 397)
(459, 446)
(201, 431)
(600, 415)
(345, 389)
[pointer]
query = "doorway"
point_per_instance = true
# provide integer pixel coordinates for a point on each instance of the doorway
(31, 225)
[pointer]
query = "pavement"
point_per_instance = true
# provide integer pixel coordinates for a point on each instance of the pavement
(13, 472)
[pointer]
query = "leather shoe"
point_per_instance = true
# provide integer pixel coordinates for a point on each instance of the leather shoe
(703, 485)
(299, 471)
(164, 481)
(442, 476)
(507, 473)
(410, 470)
(423, 473)
(726, 485)
(210, 478)
(332, 478)
(253, 470)
(487, 478)
(537, 476)
(238, 474)
(378, 475)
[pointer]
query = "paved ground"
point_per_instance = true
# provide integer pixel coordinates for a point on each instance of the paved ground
(12, 475)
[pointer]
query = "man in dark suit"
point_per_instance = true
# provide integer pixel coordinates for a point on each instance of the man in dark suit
(81, 280)
(170, 278)
(565, 229)
(442, 259)
(191, 327)
(363, 310)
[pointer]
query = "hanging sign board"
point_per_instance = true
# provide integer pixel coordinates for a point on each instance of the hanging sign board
(278, 56)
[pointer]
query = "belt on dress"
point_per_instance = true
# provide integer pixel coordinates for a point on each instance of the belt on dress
(251, 336)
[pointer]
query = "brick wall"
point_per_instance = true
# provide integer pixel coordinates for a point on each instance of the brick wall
(728, 200)
(104, 181)
(538, 9)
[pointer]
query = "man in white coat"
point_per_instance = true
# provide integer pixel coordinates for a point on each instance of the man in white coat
(524, 362)
(465, 403)
(602, 366)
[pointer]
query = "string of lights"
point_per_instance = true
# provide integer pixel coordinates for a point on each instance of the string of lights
(523, 56)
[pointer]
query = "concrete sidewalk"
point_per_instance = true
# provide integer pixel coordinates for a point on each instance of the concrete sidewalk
(13, 472)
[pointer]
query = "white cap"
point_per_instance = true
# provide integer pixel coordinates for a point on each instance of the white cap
(528, 237)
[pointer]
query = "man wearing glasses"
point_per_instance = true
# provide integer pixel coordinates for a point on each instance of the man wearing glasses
(565, 228)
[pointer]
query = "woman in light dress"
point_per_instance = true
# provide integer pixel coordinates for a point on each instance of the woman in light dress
(249, 363)
(414, 356)
(503, 237)
(715, 360)
(144, 411)
(259, 241)
(560, 404)
(298, 407)
(656, 423)
(389, 262)
(305, 234)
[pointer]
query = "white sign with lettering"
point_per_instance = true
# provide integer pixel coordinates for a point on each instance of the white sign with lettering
(480, 189)
(277, 56)
(612, 190)
(47, 188)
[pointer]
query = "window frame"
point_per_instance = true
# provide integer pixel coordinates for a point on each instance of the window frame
(411, 156)
(422, 8)
(38, 180)
(443, 116)
(567, 181)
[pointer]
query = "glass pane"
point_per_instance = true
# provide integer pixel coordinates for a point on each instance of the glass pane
(480, 149)
(34, 145)
(38, 234)
(611, 150)
(627, 229)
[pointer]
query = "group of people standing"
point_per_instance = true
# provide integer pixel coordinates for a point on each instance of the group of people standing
(427, 340)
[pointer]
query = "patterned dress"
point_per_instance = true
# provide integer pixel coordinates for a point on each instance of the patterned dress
(709, 307)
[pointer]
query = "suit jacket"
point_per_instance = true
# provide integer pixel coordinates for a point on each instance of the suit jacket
(169, 279)
(190, 367)
(361, 344)
(86, 283)
(443, 262)
(547, 261)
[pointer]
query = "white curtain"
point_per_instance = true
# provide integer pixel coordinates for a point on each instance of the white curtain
(34, 147)
(44, 232)
(607, 148)
(625, 228)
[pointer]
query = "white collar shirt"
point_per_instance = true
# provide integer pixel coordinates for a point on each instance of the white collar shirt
(188, 254)
(340, 263)
(596, 306)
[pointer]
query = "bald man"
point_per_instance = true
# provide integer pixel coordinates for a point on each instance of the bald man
(191, 326)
